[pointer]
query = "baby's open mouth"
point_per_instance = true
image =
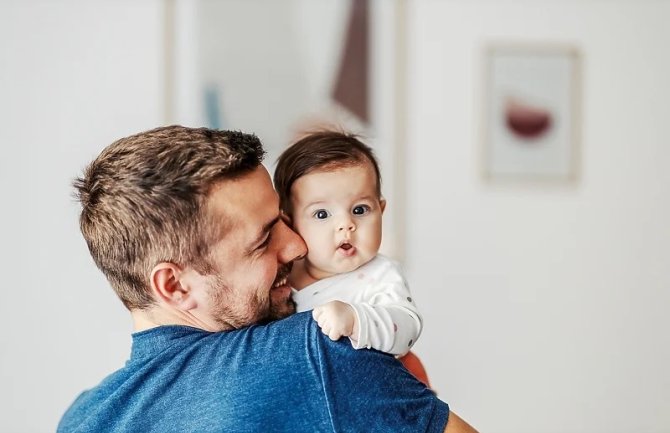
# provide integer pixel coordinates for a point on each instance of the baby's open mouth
(346, 246)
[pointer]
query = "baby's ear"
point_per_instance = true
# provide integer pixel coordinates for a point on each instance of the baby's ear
(382, 204)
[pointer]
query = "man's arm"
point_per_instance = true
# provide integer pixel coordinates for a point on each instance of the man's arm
(456, 425)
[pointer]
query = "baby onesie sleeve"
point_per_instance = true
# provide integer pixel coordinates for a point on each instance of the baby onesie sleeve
(388, 319)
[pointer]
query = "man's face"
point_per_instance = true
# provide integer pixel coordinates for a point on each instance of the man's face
(253, 259)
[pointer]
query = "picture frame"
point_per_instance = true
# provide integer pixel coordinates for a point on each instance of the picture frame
(531, 112)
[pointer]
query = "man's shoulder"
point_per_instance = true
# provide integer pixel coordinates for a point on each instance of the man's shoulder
(297, 323)
(239, 371)
(302, 329)
(289, 334)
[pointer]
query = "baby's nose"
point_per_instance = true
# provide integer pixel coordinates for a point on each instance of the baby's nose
(346, 224)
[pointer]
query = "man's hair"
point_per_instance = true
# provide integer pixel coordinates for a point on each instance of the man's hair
(144, 201)
(323, 150)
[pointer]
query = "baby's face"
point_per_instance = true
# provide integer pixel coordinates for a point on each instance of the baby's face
(339, 215)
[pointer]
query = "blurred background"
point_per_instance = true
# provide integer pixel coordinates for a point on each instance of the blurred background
(545, 303)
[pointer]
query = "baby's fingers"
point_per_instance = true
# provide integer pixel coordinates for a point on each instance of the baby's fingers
(334, 334)
(325, 328)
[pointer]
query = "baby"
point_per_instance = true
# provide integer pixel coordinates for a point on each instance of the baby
(329, 188)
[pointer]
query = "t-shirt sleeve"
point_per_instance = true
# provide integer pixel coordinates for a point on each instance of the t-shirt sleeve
(370, 391)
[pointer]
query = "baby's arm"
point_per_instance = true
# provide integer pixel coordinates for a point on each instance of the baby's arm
(388, 321)
(336, 319)
(385, 319)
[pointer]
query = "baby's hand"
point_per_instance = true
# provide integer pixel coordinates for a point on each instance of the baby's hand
(336, 319)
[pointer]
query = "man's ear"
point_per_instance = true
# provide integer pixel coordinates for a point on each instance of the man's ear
(382, 204)
(168, 287)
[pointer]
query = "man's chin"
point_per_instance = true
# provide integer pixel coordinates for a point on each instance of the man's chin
(279, 310)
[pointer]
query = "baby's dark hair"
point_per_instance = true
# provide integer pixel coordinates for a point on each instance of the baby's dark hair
(323, 150)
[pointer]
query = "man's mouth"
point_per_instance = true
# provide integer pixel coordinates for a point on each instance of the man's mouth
(280, 283)
(282, 276)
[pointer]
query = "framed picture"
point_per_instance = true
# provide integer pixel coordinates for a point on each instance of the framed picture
(281, 68)
(531, 112)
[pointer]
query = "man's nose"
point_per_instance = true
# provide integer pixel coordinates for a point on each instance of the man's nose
(292, 247)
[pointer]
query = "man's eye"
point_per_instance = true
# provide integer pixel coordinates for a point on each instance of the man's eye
(265, 243)
(361, 209)
(321, 214)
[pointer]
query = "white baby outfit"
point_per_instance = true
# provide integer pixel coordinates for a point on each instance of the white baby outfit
(388, 320)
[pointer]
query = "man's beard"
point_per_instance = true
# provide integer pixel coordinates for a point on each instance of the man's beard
(260, 307)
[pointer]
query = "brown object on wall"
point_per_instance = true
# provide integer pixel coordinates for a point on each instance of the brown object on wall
(351, 88)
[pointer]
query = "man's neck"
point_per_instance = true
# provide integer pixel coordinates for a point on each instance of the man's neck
(154, 317)
(142, 320)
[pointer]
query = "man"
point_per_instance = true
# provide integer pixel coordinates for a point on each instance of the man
(186, 226)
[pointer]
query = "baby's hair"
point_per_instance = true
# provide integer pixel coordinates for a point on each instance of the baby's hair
(323, 150)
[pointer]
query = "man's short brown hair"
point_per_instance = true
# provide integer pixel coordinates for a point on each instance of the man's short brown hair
(144, 202)
(323, 150)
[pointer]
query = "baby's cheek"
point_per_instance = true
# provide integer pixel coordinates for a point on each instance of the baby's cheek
(311, 234)
(314, 243)
(316, 253)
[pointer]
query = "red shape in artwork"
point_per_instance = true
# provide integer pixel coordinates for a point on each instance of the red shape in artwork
(525, 120)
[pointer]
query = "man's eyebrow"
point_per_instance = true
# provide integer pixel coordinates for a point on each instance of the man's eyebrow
(263, 233)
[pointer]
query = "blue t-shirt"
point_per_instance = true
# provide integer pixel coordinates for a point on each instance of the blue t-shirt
(282, 377)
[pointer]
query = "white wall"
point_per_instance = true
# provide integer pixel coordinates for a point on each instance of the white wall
(546, 308)
(74, 76)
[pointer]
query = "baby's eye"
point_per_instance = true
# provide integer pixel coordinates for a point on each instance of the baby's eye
(361, 209)
(321, 214)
